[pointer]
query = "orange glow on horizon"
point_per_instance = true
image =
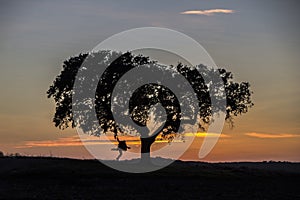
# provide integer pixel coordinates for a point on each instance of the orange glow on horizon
(230, 147)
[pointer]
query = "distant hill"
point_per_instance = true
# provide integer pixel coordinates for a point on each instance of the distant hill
(58, 178)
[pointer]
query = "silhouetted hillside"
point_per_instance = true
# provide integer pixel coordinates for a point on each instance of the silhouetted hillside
(54, 178)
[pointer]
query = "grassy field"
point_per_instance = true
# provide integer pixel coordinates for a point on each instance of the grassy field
(57, 178)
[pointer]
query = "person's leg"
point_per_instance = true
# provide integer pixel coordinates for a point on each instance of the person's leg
(120, 154)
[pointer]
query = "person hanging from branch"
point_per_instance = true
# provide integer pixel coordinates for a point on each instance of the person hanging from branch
(122, 146)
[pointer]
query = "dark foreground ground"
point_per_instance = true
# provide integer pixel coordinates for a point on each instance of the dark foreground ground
(53, 178)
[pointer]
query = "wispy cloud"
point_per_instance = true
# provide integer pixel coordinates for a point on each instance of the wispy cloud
(271, 135)
(92, 140)
(65, 141)
(208, 12)
(203, 134)
(76, 141)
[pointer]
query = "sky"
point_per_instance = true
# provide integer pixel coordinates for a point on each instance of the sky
(258, 41)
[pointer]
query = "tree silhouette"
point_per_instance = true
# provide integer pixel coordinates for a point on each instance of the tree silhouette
(238, 96)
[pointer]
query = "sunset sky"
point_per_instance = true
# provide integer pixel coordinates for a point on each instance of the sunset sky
(258, 41)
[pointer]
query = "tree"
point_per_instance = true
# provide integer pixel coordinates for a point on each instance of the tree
(238, 96)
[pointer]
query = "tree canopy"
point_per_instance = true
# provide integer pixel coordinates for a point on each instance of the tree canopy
(238, 95)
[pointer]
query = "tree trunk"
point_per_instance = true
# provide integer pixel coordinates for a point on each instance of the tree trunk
(145, 148)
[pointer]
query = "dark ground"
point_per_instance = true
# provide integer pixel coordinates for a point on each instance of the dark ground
(54, 178)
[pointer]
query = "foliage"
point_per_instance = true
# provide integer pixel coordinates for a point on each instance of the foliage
(238, 95)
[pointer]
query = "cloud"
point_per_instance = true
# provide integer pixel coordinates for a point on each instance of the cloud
(92, 140)
(203, 134)
(76, 141)
(271, 135)
(65, 141)
(208, 12)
